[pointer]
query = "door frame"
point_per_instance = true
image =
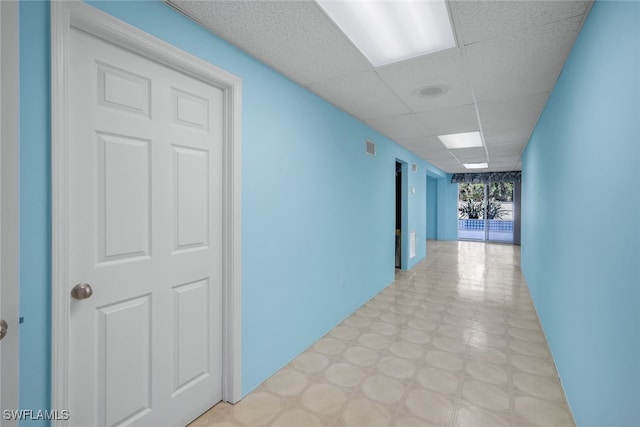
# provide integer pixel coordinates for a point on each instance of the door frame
(9, 202)
(67, 15)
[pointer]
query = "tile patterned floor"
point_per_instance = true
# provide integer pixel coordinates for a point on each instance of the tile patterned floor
(453, 342)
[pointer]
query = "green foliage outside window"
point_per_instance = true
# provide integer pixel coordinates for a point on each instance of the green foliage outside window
(471, 200)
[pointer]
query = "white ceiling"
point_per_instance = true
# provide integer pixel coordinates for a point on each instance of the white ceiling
(508, 58)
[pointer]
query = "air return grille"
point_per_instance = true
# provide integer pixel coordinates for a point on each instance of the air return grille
(371, 148)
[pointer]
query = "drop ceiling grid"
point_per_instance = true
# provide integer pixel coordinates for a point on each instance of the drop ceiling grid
(470, 155)
(445, 67)
(520, 111)
(510, 56)
(488, 19)
(501, 137)
(430, 143)
(294, 37)
(451, 120)
(363, 95)
(398, 127)
(523, 63)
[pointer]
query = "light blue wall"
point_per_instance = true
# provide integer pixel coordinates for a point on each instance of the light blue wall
(580, 223)
(35, 208)
(318, 213)
(447, 209)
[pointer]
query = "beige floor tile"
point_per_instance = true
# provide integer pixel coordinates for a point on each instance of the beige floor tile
(451, 345)
(311, 362)
(374, 341)
(396, 367)
(528, 348)
(363, 412)
(287, 382)
(357, 321)
(324, 398)
(444, 360)
(542, 413)
(330, 346)
(256, 409)
(361, 356)
(453, 342)
(473, 416)
(344, 374)
(533, 365)
(487, 372)
(407, 350)
(297, 418)
(430, 406)
(438, 380)
(485, 395)
(383, 389)
(536, 386)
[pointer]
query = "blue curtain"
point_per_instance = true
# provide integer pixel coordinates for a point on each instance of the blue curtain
(486, 177)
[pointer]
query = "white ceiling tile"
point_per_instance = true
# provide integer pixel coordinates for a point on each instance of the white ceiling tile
(430, 143)
(511, 54)
(466, 155)
(497, 158)
(482, 20)
(441, 68)
(511, 113)
(505, 162)
(294, 37)
(521, 63)
(451, 120)
(364, 95)
(494, 138)
(505, 168)
(397, 127)
(450, 166)
(505, 150)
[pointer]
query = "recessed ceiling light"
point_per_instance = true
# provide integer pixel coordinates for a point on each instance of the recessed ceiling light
(391, 31)
(461, 140)
(432, 91)
(484, 165)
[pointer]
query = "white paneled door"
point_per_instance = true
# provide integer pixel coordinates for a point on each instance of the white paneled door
(145, 243)
(9, 323)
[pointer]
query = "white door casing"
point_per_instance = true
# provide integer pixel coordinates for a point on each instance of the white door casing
(145, 232)
(9, 148)
(146, 208)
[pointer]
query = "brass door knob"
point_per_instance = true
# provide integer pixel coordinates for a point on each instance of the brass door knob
(3, 328)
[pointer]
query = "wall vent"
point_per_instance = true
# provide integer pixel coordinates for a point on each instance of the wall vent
(414, 167)
(371, 148)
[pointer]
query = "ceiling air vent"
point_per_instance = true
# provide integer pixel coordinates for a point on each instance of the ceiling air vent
(371, 148)
(414, 168)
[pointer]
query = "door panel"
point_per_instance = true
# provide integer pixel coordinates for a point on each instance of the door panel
(191, 193)
(145, 232)
(124, 197)
(124, 338)
(191, 333)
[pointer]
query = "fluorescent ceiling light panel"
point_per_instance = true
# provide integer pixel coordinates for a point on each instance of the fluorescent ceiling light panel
(388, 31)
(461, 140)
(484, 165)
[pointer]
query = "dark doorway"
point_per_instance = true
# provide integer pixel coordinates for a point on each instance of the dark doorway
(398, 251)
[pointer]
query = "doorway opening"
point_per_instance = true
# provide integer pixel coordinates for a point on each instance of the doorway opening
(486, 212)
(399, 229)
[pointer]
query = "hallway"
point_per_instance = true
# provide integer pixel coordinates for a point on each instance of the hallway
(454, 341)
